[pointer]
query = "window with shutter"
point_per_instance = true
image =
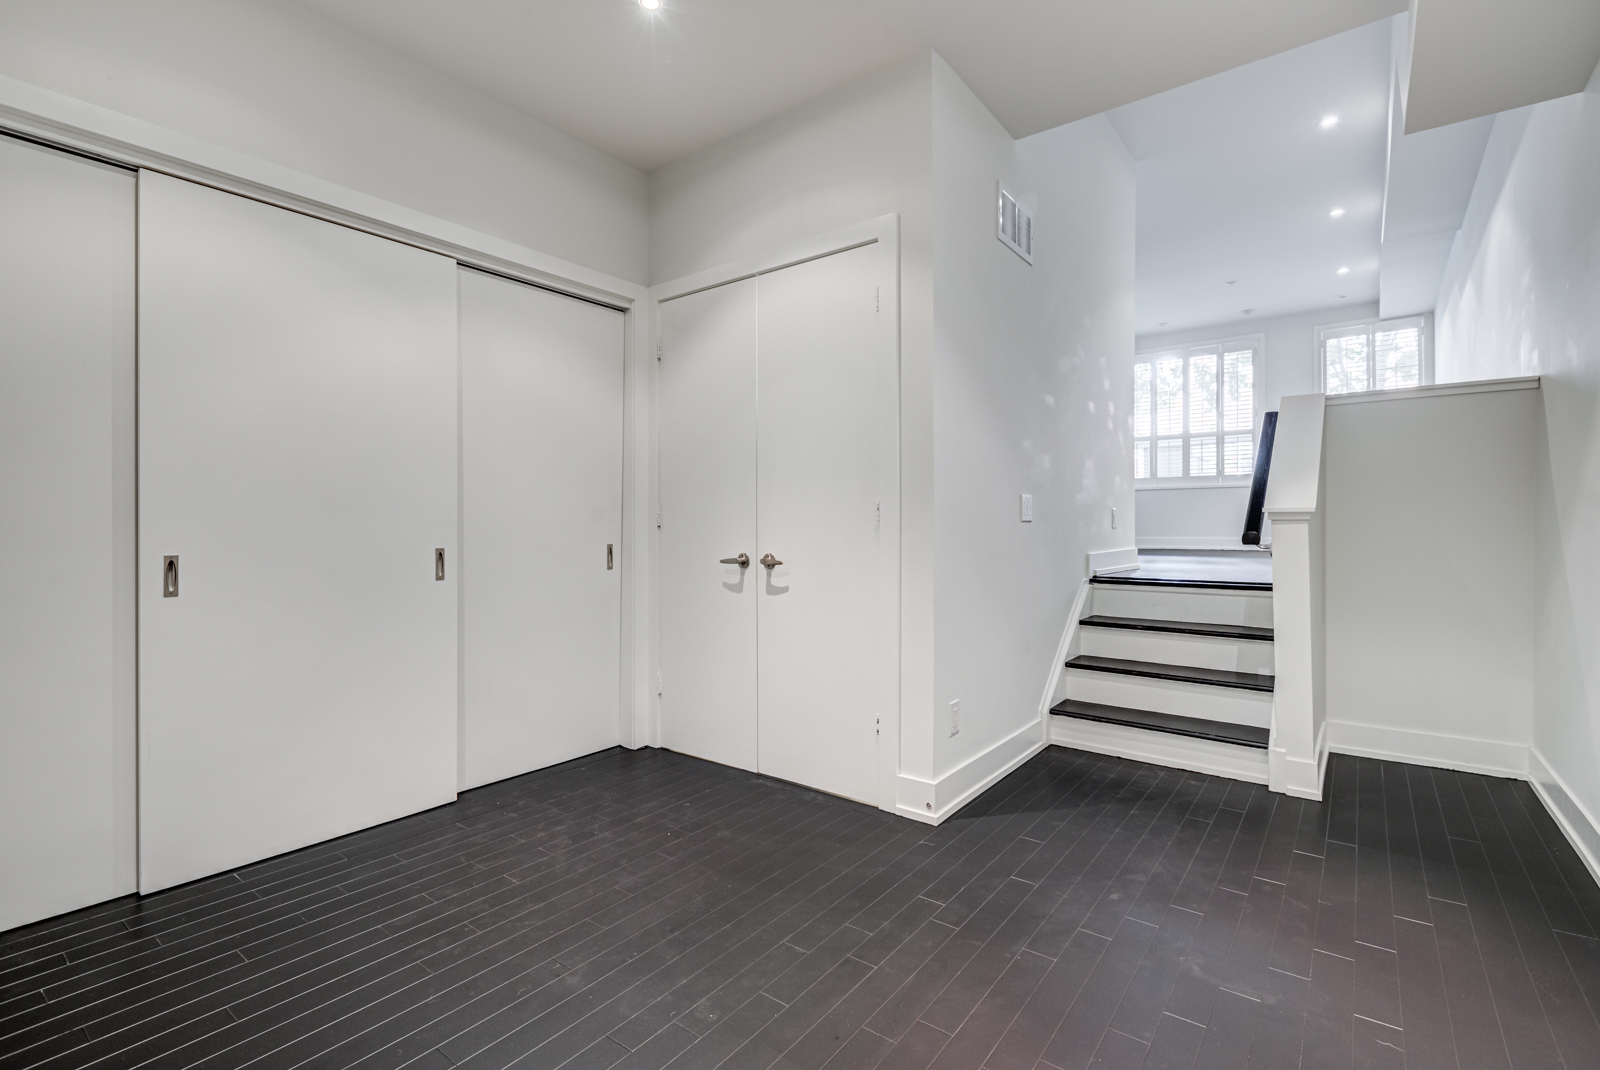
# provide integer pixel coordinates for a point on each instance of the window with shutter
(1194, 413)
(1373, 355)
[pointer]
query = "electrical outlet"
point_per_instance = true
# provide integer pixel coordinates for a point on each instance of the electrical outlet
(955, 717)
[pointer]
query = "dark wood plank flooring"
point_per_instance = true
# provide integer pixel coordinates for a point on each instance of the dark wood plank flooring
(645, 909)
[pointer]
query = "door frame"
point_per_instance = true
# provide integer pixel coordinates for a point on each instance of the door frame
(883, 231)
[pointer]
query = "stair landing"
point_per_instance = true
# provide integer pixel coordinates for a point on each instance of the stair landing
(1247, 570)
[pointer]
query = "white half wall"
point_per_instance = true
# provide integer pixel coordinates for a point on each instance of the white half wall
(1521, 296)
(1432, 575)
(282, 84)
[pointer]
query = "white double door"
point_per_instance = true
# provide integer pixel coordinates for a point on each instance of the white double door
(771, 403)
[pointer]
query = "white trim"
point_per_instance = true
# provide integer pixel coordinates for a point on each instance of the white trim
(881, 228)
(933, 801)
(1058, 667)
(883, 231)
(59, 119)
(1194, 482)
(1490, 757)
(1480, 386)
(1191, 542)
(1161, 748)
(1571, 816)
(1104, 562)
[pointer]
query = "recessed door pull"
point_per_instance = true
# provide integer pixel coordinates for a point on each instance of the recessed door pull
(438, 563)
(608, 557)
(770, 561)
(743, 561)
(169, 576)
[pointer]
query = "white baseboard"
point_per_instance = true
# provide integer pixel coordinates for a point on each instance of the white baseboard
(1462, 753)
(1106, 561)
(1160, 748)
(1575, 820)
(933, 801)
(1191, 542)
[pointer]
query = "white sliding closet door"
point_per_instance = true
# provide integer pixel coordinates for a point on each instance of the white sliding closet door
(297, 453)
(817, 512)
(67, 670)
(541, 463)
(708, 512)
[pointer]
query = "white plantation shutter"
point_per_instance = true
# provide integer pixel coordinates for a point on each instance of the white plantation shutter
(1372, 355)
(1194, 412)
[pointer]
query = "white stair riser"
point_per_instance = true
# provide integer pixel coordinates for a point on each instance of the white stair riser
(1171, 648)
(1251, 608)
(1206, 701)
(1161, 748)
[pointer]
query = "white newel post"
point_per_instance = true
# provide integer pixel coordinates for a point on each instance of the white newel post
(1297, 752)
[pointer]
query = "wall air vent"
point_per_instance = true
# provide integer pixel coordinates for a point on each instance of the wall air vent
(1016, 225)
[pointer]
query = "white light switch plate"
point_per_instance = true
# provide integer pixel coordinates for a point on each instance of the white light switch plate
(955, 717)
(1027, 508)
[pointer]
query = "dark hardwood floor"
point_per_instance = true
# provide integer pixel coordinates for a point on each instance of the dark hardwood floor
(645, 909)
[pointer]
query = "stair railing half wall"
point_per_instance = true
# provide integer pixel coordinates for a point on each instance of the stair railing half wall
(1297, 752)
(1258, 483)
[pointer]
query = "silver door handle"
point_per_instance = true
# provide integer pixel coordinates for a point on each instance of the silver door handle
(169, 576)
(743, 561)
(770, 561)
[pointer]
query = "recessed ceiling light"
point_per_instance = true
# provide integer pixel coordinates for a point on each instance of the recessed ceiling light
(650, 5)
(1232, 281)
(1342, 271)
(1246, 311)
(1336, 213)
(1343, 296)
(1328, 121)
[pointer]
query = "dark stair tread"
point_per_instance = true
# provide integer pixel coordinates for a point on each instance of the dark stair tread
(1242, 735)
(1181, 627)
(1133, 580)
(1244, 681)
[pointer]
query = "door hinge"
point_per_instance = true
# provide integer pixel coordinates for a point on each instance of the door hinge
(658, 350)
(658, 518)
(877, 514)
(879, 722)
(877, 299)
(658, 681)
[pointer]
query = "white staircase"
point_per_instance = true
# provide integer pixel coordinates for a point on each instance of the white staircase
(1174, 672)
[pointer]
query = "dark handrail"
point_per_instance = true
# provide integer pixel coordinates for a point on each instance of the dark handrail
(1258, 484)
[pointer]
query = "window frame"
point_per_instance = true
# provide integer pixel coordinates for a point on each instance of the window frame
(1372, 324)
(1256, 343)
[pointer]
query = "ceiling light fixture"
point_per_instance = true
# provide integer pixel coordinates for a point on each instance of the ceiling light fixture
(1336, 213)
(1342, 271)
(1328, 121)
(1246, 311)
(650, 5)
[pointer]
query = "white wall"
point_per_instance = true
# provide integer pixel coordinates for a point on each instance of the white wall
(1214, 516)
(1431, 578)
(1013, 378)
(1033, 392)
(277, 82)
(1522, 296)
(860, 152)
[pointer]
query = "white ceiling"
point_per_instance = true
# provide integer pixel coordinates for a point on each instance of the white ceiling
(1237, 177)
(651, 88)
(1472, 58)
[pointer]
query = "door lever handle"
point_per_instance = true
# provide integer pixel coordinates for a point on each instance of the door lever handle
(770, 561)
(743, 560)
